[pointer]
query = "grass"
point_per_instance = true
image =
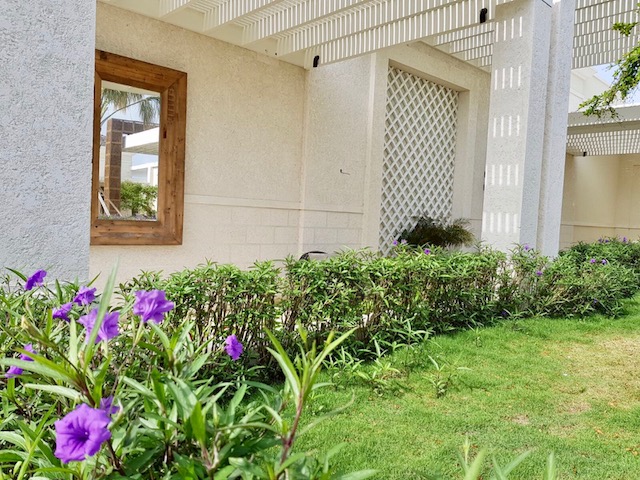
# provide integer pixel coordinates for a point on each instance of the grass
(566, 386)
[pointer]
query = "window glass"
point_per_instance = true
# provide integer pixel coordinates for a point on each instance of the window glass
(139, 146)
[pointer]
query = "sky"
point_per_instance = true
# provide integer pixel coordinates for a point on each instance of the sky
(605, 72)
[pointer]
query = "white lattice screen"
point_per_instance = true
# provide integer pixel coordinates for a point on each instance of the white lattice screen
(419, 153)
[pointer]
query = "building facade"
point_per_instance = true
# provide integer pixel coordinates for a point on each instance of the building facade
(309, 125)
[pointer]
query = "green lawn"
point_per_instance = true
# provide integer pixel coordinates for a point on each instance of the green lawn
(566, 386)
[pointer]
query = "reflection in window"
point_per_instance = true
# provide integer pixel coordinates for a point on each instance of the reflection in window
(129, 137)
(137, 181)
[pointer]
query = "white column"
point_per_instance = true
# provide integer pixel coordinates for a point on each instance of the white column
(553, 160)
(46, 96)
(516, 123)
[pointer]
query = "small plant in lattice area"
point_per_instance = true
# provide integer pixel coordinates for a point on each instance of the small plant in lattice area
(438, 232)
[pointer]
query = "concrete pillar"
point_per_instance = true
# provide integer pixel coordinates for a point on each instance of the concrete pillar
(554, 154)
(46, 124)
(516, 123)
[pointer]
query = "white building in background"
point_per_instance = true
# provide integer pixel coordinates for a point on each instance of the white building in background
(310, 124)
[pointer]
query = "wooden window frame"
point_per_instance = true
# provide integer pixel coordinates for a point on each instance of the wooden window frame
(172, 85)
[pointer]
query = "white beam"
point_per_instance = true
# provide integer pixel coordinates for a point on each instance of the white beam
(169, 7)
(461, 33)
(604, 9)
(469, 43)
(295, 16)
(385, 16)
(232, 11)
(432, 22)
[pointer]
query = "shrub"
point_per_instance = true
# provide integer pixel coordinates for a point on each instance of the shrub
(139, 402)
(438, 232)
(138, 198)
(221, 300)
(615, 250)
(578, 288)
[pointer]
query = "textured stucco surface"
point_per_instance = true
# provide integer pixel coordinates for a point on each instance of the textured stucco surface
(244, 147)
(471, 142)
(46, 94)
(280, 160)
(601, 198)
(520, 66)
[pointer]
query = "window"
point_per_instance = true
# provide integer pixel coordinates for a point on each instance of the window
(138, 152)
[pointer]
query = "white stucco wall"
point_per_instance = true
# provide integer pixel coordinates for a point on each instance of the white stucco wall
(280, 160)
(346, 104)
(46, 93)
(244, 144)
(601, 198)
(585, 83)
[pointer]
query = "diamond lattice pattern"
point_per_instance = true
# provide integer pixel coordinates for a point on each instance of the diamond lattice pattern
(419, 153)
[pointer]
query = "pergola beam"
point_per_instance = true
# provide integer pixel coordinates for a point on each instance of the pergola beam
(170, 7)
(232, 11)
(295, 16)
(387, 19)
(431, 22)
(468, 43)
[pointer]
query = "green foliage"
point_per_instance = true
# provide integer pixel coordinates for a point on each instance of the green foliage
(438, 232)
(221, 300)
(390, 301)
(174, 420)
(120, 100)
(138, 198)
(625, 78)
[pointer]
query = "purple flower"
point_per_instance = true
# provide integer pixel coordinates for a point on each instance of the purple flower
(604, 261)
(35, 280)
(81, 433)
(403, 242)
(526, 247)
(85, 296)
(107, 406)
(539, 273)
(395, 242)
(504, 313)
(63, 312)
(595, 301)
(427, 251)
(15, 371)
(152, 305)
(108, 328)
(233, 347)
(593, 260)
(624, 240)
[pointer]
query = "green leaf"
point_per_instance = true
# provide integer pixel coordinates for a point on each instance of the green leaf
(57, 389)
(166, 343)
(138, 387)
(474, 470)
(184, 397)
(14, 438)
(286, 365)
(198, 425)
(41, 366)
(102, 310)
(550, 472)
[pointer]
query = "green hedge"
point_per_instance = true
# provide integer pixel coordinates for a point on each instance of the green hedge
(378, 295)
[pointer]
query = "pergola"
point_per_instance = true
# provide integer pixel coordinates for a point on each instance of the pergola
(308, 32)
(609, 135)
